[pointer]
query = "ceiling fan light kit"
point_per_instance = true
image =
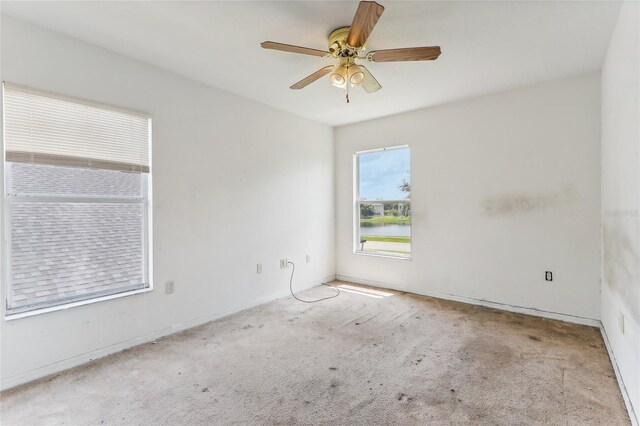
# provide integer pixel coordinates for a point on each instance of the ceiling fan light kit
(347, 44)
(347, 70)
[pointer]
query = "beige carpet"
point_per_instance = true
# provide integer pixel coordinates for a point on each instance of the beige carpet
(359, 359)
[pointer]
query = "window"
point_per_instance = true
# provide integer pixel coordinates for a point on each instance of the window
(77, 179)
(383, 202)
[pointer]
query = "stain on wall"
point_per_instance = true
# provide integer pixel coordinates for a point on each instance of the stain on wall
(621, 260)
(523, 203)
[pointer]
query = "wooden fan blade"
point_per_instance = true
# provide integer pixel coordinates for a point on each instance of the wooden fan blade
(364, 20)
(313, 77)
(293, 49)
(407, 54)
(369, 83)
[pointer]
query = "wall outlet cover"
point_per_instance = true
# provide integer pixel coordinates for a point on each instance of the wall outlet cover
(169, 287)
(283, 263)
(259, 268)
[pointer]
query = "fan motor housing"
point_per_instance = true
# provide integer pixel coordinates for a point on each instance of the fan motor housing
(338, 43)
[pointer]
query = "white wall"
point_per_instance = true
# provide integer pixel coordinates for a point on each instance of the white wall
(504, 187)
(235, 183)
(621, 197)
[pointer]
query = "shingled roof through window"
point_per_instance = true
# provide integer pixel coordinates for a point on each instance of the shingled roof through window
(63, 250)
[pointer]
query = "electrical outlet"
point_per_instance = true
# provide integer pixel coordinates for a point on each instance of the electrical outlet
(308, 258)
(169, 287)
(548, 276)
(259, 268)
(283, 263)
(621, 322)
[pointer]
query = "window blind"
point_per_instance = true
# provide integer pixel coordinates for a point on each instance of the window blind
(49, 129)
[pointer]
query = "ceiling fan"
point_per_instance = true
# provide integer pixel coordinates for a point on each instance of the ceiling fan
(347, 44)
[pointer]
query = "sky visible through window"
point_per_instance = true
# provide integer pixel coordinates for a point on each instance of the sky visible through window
(382, 172)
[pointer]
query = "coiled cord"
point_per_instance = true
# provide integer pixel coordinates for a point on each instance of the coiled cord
(309, 301)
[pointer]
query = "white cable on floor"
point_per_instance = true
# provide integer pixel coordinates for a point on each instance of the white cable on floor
(309, 301)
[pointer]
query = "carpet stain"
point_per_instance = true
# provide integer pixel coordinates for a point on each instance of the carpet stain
(309, 364)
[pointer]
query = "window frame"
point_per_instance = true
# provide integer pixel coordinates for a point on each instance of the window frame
(145, 200)
(357, 202)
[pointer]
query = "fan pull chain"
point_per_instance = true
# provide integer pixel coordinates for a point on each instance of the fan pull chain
(347, 82)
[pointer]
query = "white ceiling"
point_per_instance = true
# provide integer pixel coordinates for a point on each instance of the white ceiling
(487, 46)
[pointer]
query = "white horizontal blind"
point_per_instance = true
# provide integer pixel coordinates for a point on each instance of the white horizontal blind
(49, 129)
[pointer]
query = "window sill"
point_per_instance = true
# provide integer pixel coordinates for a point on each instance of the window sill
(11, 317)
(383, 255)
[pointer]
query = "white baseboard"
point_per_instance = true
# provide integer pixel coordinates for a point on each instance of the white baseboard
(496, 305)
(57, 367)
(623, 389)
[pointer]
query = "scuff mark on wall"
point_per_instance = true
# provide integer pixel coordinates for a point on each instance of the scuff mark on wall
(522, 203)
